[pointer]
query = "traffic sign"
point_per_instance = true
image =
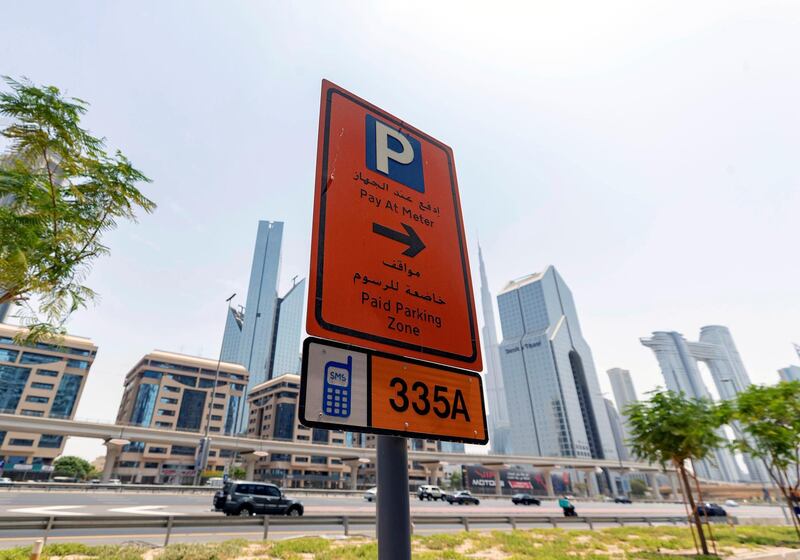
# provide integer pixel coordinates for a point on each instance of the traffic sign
(361, 390)
(389, 264)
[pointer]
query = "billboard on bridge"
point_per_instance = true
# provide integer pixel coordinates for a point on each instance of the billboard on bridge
(481, 480)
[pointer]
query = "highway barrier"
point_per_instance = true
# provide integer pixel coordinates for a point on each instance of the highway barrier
(169, 523)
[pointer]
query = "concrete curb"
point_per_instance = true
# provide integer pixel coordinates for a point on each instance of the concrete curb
(779, 554)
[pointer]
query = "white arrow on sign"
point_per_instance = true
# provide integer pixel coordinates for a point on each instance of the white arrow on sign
(49, 510)
(145, 510)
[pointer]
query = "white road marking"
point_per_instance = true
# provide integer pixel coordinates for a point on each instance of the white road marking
(49, 510)
(145, 510)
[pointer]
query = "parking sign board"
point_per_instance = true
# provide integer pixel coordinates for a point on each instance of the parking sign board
(389, 264)
(361, 390)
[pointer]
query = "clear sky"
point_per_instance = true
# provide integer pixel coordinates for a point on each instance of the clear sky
(648, 150)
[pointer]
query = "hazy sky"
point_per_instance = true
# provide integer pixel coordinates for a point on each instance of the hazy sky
(648, 150)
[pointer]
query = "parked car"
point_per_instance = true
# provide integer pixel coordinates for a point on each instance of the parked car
(428, 492)
(255, 498)
(215, 482)
(711, 510)
(462, 497)
(622, 500)
(115, 481)
(371, 494)
(5, 481)
(731, 503)
(525, 500)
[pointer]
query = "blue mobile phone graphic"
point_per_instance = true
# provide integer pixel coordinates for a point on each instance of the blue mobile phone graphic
(336, 391)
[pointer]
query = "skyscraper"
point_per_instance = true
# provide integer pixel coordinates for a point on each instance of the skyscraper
(789, 373)
(678, 360)
(285, 355)
(622, 387)
(497, 415)
(255, 344)
(4, 307)
(554, 402)
(617, 429)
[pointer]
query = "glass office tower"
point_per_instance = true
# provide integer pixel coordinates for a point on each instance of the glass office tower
(554, 402)
(288, 328)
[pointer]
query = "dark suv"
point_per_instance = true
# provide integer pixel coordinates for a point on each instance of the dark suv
(255, 498)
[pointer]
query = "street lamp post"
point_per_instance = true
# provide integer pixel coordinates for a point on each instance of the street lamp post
(201, 463)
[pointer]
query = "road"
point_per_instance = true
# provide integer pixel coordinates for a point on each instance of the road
(102, 504)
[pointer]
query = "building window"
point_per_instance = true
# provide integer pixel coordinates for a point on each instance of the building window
(216, 417)
(319, 460)
(205, 383)
(167, 400)
(21, 442)
(157, 450)
(29, 412)
(163, 425)
(183, 450)
(165, 412)
(50, 440)
(301, 459)
(279, 457)
(46, 372)
(218, 406)
(144, 405)
(7, 355)
(34, 358)
(151, 465)
(134, 447)
(12, 380)
(191, 413)
(213, 429)
(38, 385)
(152, 374)
(319, 436)
(187, 380)
(171, 389)
(78, 364)
(233, 413)
(129, 464)
(177, 367)
(35, 399)
(284, 421)
(67, 395)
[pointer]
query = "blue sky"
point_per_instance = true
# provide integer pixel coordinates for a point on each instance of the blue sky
(648, 150)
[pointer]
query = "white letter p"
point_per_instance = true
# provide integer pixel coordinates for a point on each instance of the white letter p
(382, 151)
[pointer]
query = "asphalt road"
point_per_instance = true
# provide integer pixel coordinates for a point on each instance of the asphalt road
(32, 503)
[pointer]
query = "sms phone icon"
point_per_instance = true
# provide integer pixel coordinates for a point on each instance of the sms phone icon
(336, 392)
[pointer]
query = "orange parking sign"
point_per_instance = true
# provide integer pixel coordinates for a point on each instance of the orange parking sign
(389, 264)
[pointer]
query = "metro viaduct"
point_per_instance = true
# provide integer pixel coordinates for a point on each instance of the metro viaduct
(250, 450)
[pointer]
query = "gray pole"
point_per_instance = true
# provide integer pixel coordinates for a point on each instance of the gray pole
(394, 517)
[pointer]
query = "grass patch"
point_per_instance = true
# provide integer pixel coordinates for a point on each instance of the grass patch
(635, 543)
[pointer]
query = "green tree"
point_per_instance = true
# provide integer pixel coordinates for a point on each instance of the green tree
(638, 487)
(454, 480)
(60, 191)
(237, 473)
(768, 422)
(69, 465)
(671, 429)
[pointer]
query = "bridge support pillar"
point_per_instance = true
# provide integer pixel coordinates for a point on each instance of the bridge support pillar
(113, 450)
(673, 485)
(591, 483)
(547, 474)
(250, 460)
(353, 463)
(655, 487)
(432, 471)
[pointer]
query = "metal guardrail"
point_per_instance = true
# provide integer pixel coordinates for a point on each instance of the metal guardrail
(169, 523)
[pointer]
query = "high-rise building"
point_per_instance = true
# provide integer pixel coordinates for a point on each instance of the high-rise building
(285, 354)
(497, 414)
(617, 429)
(4, 308)
(622, 387)
(789, 373)
(46, 379)
(678, 360)
(232, 338)
(554, 401)
(183, 393)
(255, 345)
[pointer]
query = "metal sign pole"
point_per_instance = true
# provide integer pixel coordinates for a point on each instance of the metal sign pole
(394, 516)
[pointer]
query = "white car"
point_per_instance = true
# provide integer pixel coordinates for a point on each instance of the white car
(731, 503)
(371, 494)
(5, 481)
(430, 492)
(115, 482)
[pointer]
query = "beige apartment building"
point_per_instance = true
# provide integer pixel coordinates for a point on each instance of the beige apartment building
(172, 391)
(46, 380)
(274, 415)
